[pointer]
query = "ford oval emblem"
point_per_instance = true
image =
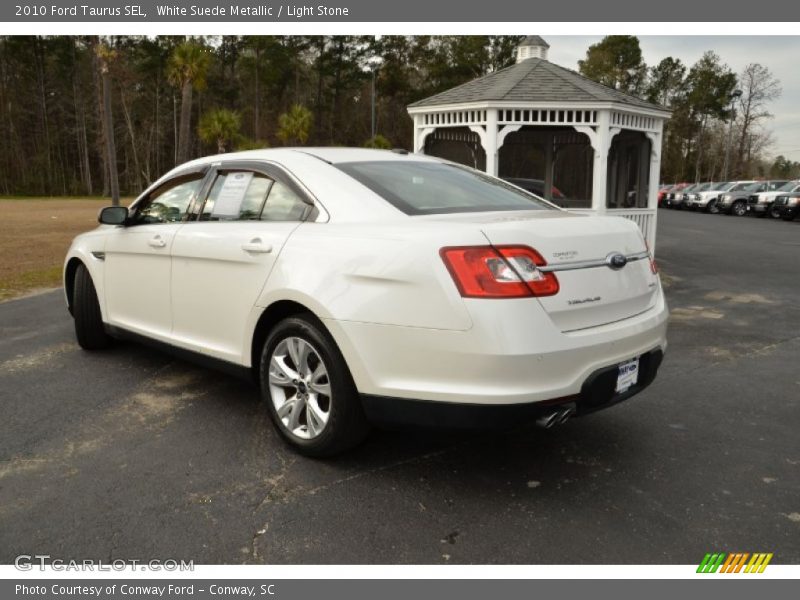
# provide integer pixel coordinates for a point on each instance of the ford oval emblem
(616, 261)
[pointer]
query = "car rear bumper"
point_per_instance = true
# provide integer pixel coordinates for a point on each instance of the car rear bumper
(516, 357)
(597, 393)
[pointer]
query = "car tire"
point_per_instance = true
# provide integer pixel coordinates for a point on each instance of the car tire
(308, 389)
(89, 328)
(738, 209)
(774, 213)
(712, 207)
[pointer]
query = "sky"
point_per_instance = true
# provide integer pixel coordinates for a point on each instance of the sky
(778, 53)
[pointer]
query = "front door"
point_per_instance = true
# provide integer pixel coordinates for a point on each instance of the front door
(138, 259)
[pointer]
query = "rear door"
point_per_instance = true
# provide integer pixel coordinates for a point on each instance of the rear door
(223, 256)
(137, 257)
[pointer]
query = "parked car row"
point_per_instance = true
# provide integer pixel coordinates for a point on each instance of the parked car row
(776, 198)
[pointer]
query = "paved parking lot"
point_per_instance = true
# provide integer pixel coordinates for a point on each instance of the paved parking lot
(132, 454)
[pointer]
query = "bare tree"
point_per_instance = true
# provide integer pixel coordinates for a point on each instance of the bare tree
(759, 87)
(106, 55)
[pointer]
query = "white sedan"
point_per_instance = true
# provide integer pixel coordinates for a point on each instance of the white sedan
(366, 286)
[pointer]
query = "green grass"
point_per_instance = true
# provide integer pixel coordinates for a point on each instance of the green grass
(30, 280)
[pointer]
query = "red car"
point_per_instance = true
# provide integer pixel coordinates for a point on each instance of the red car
(671, 194)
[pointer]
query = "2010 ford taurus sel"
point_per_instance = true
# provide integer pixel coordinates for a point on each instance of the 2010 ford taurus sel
(364, 286)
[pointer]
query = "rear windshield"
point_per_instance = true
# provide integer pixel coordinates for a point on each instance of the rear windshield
(430, 188)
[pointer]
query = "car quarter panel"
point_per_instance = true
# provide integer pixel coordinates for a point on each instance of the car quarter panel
(379, 273)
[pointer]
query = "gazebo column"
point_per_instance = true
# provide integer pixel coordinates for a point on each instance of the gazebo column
(652, 188)
(417, 122)
(655, 168)
(600, 169)
(549, 164)
(490, 142)
(600, 138)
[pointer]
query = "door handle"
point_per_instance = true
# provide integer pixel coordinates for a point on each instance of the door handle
(156, 242)
(256, 247)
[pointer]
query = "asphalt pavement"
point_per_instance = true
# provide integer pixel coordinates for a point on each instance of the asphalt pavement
(133, 454)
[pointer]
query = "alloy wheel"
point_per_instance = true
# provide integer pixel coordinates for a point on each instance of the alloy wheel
(300, 387)
(739, 209)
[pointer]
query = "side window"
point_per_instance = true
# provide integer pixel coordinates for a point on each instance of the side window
(168, 203)
(283, 204)
(236, 196)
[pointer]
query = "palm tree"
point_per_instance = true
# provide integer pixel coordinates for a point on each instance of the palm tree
(221, 126)
(295, 125)
(187, 70)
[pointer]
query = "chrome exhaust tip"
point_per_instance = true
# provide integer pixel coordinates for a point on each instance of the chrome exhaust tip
(557, 416)
(548, 420)
(566, 414)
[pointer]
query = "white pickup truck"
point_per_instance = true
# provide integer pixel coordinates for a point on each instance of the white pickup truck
(761, 204)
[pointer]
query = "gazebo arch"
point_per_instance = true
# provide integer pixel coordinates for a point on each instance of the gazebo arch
(609, 140)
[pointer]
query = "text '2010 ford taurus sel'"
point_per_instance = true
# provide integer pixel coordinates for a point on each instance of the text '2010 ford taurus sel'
(365, 286)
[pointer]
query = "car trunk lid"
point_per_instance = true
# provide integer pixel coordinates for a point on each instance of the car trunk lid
(578, 249)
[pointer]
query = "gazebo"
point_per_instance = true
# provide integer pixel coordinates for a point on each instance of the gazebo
(588, 147)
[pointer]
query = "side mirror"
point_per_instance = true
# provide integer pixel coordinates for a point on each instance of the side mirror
(113, 215)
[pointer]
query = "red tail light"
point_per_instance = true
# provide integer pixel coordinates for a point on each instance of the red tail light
(499, 272)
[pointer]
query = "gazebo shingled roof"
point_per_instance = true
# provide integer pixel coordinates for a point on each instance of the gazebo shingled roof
(534, 80)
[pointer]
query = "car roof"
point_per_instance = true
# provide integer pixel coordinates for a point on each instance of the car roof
(332, 155)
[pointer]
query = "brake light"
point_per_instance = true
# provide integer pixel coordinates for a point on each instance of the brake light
(499, 272)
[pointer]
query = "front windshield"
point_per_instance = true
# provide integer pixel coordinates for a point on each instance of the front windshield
(787, 187)
(703, 187)
(753, 187)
